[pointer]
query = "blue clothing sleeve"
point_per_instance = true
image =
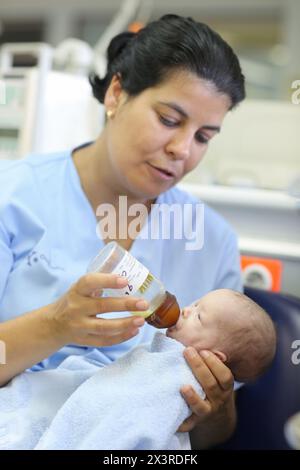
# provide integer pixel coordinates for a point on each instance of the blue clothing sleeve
(6, 259)
(229, 272)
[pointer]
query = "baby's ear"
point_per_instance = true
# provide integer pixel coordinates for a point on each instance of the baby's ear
(222, 356)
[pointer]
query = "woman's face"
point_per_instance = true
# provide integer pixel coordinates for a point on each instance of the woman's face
(157, 137)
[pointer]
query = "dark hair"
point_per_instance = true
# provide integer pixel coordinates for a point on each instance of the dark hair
(252, 345)
(146, 58)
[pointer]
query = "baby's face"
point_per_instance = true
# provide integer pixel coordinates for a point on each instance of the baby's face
(200, 324)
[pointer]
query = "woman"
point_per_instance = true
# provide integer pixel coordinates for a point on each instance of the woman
(166, 93)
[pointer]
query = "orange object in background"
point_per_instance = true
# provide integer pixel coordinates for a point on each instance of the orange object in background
(136, 26)
(263, 273)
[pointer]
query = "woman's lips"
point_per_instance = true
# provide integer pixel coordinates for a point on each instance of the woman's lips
(161, 173)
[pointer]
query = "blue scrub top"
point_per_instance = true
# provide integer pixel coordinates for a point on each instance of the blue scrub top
(48, 237)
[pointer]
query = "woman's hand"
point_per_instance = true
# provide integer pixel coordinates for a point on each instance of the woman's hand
(213, 419)
(73, 316)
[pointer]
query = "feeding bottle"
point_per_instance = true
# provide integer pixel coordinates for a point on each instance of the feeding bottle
(163, 311)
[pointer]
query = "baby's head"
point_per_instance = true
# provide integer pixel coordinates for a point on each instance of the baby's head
(232, 326)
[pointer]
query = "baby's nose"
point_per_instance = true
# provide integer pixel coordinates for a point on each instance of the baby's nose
(185, 312)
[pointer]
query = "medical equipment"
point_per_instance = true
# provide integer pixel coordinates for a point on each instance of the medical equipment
(163, 311)
(49, 107)
(250, 175)
(44, 110)
(258, 147)
(119, 23)
(243, 175)
(20, 111)
(267, 223)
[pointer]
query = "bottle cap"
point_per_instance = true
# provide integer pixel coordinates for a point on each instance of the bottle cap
(166, 315)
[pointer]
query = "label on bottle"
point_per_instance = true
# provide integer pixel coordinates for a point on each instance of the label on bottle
(135, 273)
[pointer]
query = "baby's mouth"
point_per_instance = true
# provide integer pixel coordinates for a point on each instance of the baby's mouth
(171, 329)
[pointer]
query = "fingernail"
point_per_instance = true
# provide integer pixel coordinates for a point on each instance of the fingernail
(141, 304)
(138, 321)
(204, 354)
(189, 393)
(97, 293)
(121, 281)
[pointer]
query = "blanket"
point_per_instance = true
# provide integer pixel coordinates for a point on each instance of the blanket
(132, 403)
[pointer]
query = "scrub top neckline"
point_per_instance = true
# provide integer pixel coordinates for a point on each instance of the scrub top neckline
(79, 189)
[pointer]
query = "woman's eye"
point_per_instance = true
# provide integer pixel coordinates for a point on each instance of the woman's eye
(170, 123)
(200, 138)
(167, 122)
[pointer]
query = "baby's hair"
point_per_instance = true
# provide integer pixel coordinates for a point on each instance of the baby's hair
(253, 345)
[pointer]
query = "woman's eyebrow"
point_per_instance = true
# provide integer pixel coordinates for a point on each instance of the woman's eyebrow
(183, 113)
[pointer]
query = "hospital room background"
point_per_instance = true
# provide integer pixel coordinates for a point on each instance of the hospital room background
(251, 173)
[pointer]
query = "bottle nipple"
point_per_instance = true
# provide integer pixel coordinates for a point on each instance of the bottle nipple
(167, 314)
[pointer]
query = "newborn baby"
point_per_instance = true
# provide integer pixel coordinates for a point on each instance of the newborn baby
(233, 327)
(135, 403)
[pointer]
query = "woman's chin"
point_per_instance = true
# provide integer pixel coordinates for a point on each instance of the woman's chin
(144, 192)
(148, 188)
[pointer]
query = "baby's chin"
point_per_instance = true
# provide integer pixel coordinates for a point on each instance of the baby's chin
(170, 331)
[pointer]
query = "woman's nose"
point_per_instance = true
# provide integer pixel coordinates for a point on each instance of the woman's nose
(179, 148)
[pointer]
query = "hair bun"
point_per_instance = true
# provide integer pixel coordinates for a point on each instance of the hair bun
(118, 44)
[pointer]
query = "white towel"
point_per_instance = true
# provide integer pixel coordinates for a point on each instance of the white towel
(133, 403)
(29, 402)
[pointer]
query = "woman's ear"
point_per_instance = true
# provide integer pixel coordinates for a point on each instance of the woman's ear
(113, 94)
(222, 356)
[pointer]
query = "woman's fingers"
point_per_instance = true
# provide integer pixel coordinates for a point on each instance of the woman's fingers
(219, 370)
(214, 377)
(94, 283)
(97, 340)
(91, 284)
(115, 326)
(217, 382)
(200, 370)
(189, 424)
(74, 312)
(115, 304)
(100, 332)
(198, 406)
